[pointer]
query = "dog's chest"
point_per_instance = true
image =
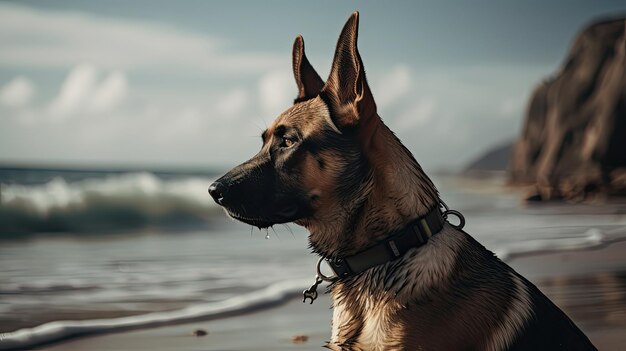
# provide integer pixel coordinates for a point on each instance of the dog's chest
(378, 332)
(366, 327)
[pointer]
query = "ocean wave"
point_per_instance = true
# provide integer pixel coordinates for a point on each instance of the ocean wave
(594, 238)
(273, 295)
(127, 201)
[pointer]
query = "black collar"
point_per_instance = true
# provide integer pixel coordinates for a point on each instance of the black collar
(397, 244)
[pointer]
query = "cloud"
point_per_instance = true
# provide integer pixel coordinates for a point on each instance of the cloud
(418, 114)
(393, 86)
(77, 88)
(81, 92)
(188, 122)
(110, 93)
(56, 39)
(233, 103)
(276, 92)
(17, 93)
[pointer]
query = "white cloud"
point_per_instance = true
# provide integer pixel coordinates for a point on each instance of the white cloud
(393, 86)
(110, 93)
(179, 125)
(276, 91)
(418, 114)
(60, 39)
(81, 92)
(18, 92)
(77, 88)
(233, 103)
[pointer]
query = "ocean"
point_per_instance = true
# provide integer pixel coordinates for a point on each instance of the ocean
(89, 251)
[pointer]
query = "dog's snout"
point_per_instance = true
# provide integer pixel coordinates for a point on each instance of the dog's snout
(217, 191)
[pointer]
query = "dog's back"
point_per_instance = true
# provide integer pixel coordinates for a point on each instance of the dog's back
(549, 328)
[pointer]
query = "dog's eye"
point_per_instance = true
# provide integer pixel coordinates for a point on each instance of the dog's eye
(287, 142)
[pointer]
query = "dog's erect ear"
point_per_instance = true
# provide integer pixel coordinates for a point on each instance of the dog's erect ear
(347, 90)
(309, 82)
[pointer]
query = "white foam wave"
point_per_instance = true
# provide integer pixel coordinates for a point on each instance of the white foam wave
(593, 238)
(273, 295)
(59, 193)
(116, 202)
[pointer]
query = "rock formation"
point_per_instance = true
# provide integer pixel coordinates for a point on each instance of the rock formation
(495, 159)
(573, 142)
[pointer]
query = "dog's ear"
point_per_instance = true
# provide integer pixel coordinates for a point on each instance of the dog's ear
(308, 81)
(347, 92)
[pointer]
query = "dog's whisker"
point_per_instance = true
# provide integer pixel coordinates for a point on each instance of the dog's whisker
(273, 230)
(289, 229)
(259, 126)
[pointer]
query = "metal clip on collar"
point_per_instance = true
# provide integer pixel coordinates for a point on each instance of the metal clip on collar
(311, 293)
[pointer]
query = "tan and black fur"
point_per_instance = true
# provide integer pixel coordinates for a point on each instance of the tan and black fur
(330, 164)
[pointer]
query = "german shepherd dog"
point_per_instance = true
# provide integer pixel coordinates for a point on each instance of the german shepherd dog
(330, 164)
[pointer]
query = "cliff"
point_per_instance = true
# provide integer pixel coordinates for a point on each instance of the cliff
(573, 142)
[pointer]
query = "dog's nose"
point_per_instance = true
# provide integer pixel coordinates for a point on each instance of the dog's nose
(217, 191)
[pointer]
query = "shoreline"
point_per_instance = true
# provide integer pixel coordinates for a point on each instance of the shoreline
(587, 284)
(267, 329)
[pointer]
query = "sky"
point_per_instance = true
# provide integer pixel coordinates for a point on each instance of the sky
(194, 83)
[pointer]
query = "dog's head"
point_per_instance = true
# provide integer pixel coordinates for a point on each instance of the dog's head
(313, 155)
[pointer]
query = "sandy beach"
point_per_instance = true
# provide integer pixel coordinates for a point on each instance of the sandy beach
(588, 285)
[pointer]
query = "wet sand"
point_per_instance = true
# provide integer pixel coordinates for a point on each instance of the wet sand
(590, 286)
(271, 329)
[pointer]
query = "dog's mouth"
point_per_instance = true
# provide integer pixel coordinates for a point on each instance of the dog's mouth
(287, 214)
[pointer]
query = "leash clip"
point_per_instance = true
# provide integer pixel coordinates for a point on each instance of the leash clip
(311, 293)
(455, 213)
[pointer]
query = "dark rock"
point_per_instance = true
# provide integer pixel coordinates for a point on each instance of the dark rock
(200, 332)
(533, 197)
(496, 159)
(574, 138)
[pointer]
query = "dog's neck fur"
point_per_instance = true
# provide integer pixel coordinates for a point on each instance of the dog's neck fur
(395, 191)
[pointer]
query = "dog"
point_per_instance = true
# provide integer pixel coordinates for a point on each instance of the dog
(406, 279)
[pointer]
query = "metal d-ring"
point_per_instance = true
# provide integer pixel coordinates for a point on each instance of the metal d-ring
(455, 213)
(321, 275)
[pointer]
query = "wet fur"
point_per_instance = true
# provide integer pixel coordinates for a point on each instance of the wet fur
(352, 181)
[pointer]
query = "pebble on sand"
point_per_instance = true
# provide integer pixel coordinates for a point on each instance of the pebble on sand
(200, 332)
(299, 339)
